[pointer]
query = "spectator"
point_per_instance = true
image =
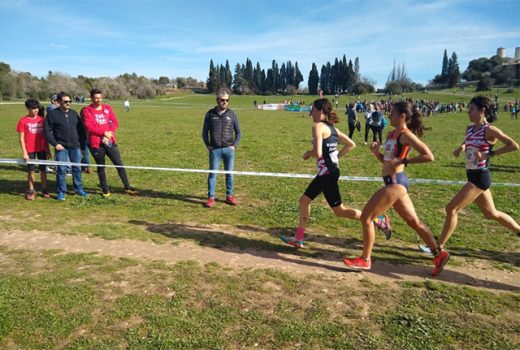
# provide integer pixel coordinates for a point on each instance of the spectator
(101, 124)
(127, 105)
(221, 135)
(34, 145)
(65, 131)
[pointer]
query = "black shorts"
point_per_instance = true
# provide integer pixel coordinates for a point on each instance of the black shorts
(39, 155)
(397, 179)
(480, 178)
(328, 184)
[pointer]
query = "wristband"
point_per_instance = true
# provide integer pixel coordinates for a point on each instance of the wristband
(491, 153)
(405, 162)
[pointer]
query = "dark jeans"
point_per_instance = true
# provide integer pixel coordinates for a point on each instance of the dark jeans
(114, 155)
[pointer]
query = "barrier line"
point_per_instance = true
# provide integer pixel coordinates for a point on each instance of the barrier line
(245, 173)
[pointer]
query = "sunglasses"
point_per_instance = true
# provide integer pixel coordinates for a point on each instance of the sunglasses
(223, 100)
(67, 101)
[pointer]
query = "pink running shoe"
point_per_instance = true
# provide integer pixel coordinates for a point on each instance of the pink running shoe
(292, 241)
(383, 224)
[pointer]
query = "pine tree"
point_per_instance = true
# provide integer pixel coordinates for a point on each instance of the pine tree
(444, 71)
(298, 77)
(212, 79)
(313, 80)
(453, 71)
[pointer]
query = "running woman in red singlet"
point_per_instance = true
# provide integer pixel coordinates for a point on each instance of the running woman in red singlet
(325, 139)
(398, 145)
(478, 145)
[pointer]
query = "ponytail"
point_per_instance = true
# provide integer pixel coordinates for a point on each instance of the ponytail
(416, 124)
(413, 117)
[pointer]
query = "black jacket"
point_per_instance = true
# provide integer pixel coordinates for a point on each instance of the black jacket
(65, 128)
(221, 129)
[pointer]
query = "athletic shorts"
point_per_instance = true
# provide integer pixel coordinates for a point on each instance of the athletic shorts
(480, 178)
(39, 155)
(397, 179)
(328, 184)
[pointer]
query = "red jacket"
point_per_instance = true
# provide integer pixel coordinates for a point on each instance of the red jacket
(97, 122)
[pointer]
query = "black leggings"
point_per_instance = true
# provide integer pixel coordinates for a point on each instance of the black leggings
(328, 184)
(377, 132)
(114, 155)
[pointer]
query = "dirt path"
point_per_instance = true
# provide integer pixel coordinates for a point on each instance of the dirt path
(480, 274)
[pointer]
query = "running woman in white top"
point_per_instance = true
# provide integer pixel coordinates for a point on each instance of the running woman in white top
(478, 145)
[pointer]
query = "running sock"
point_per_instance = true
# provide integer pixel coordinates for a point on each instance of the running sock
(299, 233)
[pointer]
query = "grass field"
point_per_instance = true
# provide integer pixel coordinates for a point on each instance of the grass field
(54, 299)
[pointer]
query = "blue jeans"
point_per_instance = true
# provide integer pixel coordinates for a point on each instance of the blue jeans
(75, 157)
(227, 154)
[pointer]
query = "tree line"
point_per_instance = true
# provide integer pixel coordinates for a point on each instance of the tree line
(249, 79)
(340, 77)
(21, 85)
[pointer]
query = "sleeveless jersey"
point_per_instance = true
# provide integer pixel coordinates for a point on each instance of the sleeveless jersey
(476, 142)
(329, 160)
(393, 148)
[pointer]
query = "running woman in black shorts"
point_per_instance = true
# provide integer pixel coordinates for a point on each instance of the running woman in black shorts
(478, 145)
(325, 139)
(394, 194)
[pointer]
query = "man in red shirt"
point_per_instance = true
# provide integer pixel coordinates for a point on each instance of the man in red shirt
(34, 145)
(101, 124)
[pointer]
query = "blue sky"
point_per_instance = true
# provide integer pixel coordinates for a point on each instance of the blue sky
(179, 37)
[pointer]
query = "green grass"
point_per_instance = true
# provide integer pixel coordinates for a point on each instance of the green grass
(84, 301)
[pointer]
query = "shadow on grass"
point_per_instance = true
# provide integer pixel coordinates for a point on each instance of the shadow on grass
(164, 195)
(394, 264)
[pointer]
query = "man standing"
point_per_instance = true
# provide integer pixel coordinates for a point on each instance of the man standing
(53, 105)
(65, 131)
(101, 124)
(221, 134)
(127, 105)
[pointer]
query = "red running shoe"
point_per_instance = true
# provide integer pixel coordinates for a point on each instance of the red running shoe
(439, 261)
(210, 203)
(231, 200)
(358, 263)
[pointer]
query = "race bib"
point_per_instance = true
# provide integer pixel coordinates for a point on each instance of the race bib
(471, 158)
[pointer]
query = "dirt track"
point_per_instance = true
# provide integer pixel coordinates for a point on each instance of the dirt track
(480, 274)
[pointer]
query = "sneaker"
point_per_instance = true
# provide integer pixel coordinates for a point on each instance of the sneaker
(60, 196)
(383, 224)
(292, 241)
(82, 193)
(131, 191)
(358, 263)
(210, 203)
(30, 195)
(107, 194)
(439, 261)
(231, 200)
(425, 249)
(45, 194)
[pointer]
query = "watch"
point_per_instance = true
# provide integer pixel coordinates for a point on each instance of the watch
(405, 162)
(491, 153)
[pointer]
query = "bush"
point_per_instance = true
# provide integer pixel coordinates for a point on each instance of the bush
(485, 84)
